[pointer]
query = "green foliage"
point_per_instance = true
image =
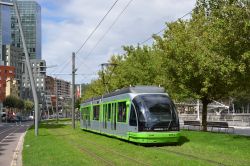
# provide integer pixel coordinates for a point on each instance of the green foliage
(10, 102)
(20, 104)
(205, 57)
(28, 106)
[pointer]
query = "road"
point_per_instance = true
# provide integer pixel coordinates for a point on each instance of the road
(11, 135)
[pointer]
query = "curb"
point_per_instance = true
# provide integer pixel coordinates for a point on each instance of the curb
(17, 157)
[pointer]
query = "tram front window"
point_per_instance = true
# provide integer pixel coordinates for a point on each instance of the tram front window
(156, 112)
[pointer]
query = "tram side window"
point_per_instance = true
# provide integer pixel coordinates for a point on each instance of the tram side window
(104, 109)
(122, 112)
(96, 112)
(109, 112)
(132, 119)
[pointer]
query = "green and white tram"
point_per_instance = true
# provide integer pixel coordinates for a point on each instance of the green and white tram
(142, 114)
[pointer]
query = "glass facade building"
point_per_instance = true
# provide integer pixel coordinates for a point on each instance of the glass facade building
(30, 13)
(5, 28)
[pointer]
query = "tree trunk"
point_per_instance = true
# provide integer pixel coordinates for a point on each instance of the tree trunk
(204, 113)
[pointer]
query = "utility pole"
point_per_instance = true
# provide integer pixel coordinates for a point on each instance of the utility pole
(73, 90)
(106, 82)
(56, 101)
(28, 67)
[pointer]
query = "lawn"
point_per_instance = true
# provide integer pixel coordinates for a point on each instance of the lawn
(60, 145)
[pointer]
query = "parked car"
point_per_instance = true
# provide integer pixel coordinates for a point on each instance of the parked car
(3, 116)
(31, 117)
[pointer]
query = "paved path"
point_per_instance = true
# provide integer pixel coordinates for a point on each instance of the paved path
(242, 130)
(11, 136)
(237, 130)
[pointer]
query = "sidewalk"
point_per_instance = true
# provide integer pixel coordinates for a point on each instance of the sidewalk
(245, 131)
(241, 130)
(11, 146)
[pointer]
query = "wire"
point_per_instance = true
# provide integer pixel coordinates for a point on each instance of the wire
(107, 31)
(96, 27)
(163, 29)
(110, 27)
(69, 60)
(151, 36)
(63, 66)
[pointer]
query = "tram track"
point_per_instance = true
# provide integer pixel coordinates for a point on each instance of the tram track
(106, 149)
(92, 154)
(189, 156)
(117, 153)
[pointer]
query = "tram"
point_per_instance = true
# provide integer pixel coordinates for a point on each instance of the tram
(140, 114)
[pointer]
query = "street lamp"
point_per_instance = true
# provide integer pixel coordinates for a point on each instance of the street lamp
(14, 4)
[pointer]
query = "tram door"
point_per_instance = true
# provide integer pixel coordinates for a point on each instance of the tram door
(86, 117)
(105, 113)
(114, 114)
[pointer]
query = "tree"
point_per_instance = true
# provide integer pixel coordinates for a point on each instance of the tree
(28, 106)
(10, 102)
(20, 104)
(207, 55)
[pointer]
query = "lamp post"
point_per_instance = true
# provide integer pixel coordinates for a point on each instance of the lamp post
(14, 4)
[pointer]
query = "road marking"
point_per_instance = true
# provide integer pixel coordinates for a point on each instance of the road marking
(6, 130)
(7, 136)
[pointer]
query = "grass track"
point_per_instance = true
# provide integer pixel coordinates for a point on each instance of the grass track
(59, 145)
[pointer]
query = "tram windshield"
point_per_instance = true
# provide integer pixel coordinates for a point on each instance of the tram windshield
(155, 112)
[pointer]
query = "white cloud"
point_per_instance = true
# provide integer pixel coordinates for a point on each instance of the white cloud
(66, 25)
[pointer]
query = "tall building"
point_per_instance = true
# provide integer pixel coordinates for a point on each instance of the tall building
(30, 12)
(5, 28)
(38, 68)
(13, 56)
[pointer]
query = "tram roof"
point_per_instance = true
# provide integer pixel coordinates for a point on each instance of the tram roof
(132, 89)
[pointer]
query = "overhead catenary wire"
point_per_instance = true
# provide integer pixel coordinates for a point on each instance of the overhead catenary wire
(91, 34)
(110, 27)
(63, 66)
(107, 31)
(69, 60)
(151, 37)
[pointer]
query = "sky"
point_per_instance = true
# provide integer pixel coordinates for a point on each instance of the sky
(66, 24)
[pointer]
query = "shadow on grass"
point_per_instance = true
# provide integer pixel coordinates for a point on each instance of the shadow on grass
(49, 126)
(241, 137)
(61, 135)
(182, 140)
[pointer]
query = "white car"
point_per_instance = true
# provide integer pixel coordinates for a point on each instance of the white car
(31, 117)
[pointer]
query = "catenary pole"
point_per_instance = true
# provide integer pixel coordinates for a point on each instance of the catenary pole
(73, 90)
(34, 93)
(56, 100)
